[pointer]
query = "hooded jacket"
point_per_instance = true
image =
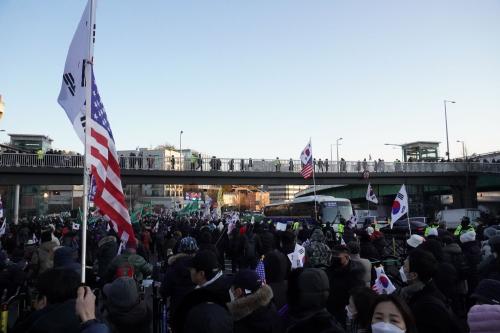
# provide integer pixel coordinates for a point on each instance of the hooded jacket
(275, 264)
(177, 282)
(132, 320)
(484, 318)
(317, 252)
(255, 312)
(107, 250)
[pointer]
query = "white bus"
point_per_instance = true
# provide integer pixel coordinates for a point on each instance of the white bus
(330, 210)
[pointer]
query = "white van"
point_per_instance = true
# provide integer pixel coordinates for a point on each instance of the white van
(451, 217)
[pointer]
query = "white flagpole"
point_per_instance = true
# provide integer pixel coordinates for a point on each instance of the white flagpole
(86, 171)
(314, 181)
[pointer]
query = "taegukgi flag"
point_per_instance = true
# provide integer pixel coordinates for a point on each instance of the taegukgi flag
(370, 195)
(400, 205)
(306, 160)
(72, 93)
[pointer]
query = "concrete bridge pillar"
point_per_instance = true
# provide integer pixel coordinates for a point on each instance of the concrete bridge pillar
(465, 196)
(16, 203)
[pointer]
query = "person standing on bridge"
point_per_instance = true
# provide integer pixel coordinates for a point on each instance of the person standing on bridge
(326, 165)
(250, 164)
(231, 165)
(200, 163)
(193, 162)
(122, 161)
(290, 165)
(242, 164)
(320, 165)
(277, 164)
(172, 162)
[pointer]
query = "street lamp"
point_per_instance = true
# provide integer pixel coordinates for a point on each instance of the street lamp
(463, 150)
(446, 123)
(180, 150)
(338, 166)
(397, 145)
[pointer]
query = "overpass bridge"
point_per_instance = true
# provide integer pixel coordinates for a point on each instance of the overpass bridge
(461, 178)
(56, 169)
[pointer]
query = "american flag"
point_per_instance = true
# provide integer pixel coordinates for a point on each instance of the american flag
(105, 170)
(307, 162)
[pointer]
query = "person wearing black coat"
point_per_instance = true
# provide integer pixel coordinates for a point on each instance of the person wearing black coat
(344, 275)
(251, 308)
(427, 303)
(212, 287)
(55, 306)
(267, 240)
(107, 248)
(307, 295)
(367, 249)
(125, 311)
(177, 281)
(275, 265)
(472, 254)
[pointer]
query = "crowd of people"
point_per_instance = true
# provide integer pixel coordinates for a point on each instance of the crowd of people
(230, 276)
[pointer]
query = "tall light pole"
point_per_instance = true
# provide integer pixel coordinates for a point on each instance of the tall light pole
(338, 166)
(446, 123)
(397, 145)
(180, 150)
(463, 150)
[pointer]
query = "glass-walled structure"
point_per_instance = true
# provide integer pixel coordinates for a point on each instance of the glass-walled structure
(421, 151)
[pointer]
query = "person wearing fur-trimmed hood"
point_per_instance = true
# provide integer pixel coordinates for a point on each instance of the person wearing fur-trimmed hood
(251, 305)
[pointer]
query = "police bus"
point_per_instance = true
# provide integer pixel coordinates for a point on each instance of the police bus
(330, 210)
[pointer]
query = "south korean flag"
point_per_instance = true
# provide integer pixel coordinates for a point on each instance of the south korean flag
(72, 93)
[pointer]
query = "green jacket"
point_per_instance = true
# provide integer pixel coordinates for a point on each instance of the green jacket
(141, 267)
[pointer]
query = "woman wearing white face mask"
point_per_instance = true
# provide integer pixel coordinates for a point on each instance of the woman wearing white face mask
(391, 315)
(359, 310)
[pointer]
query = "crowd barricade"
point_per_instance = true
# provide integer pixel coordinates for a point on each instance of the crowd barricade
(14, 309)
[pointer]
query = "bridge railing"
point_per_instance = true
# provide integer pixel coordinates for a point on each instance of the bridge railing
(244, 165)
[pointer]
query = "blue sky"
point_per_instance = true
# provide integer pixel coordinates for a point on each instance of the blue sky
(258, 78)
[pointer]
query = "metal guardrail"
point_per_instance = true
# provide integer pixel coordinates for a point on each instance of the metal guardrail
(245, 165)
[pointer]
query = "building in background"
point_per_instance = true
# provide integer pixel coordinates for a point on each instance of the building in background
(278, 193)
(30, 142)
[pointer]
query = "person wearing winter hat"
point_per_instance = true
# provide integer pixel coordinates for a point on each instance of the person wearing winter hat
(414, 241)
(485, 315)
(472, 253)
(126, 312)
(129, 260)
(308, 292)
(177, 281)
(207, 300)
(251, 305)
(490, 267)
(275, 266)
(107, 248)
(65, 258)
(488, 233)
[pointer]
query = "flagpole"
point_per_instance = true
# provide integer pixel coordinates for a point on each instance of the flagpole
(88, 107)
(314, 181)
(408, 209)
